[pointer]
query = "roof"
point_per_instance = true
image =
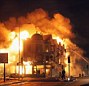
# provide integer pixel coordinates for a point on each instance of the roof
(37, 37)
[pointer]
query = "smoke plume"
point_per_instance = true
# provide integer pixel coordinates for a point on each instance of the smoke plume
(38, 20)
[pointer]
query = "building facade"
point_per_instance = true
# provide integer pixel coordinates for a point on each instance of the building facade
(43, 52)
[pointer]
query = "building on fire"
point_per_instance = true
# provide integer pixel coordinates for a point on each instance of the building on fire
(43, 56)
(44, 53)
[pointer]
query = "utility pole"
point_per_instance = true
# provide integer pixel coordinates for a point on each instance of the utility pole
(4, 72)
(19, 53)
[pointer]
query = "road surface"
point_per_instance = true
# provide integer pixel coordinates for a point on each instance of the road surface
(78, 82)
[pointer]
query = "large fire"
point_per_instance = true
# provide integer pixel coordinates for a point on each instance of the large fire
(11, 40)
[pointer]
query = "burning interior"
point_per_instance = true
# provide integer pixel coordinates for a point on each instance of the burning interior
(39, 44)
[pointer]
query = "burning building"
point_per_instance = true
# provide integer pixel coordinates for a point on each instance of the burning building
(17, 38)
(43, 52)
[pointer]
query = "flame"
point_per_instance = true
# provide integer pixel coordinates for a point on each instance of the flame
(24, 35)
(59, 40)
(26, 68)
(15, 43)
(19, 70)
(13, 49)
(38, 20)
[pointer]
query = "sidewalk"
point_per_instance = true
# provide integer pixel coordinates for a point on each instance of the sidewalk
(8, 82)
(19, 80)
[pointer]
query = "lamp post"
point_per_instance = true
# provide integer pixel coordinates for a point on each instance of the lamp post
(19, 52)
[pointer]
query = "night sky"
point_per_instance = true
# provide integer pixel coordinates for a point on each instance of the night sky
(76, 10)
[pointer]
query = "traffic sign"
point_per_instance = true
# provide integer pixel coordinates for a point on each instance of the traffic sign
(3, 57)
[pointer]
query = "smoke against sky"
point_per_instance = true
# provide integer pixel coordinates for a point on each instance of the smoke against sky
(40, 21)
(76, 11)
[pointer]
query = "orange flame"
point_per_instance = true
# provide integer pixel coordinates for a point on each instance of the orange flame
(26, 68)
(37, 20)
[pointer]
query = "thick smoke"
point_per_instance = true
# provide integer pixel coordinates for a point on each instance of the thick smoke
(38, 20)
(4, 33)
(59, 24)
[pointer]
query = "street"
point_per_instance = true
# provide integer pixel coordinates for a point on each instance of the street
(77, 82)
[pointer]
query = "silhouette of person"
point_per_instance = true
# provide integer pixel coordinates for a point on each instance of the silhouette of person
(63, 74)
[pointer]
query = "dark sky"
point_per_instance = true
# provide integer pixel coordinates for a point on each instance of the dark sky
(76, 10)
